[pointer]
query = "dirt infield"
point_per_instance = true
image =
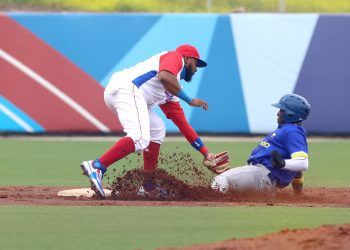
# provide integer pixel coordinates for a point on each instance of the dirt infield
(166, 190)
(313, 197)
(321, 238)
(325, 237)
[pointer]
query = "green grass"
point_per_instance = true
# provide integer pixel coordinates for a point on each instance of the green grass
(220, 6)
(56, 163)
(328, 164)
(86, 228)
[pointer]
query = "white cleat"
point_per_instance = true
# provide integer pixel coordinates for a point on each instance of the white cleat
(142, 192)
(157, 192)
(95, 176)
(221, 188)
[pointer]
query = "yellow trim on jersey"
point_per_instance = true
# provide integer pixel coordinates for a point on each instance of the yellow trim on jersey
(299, 154)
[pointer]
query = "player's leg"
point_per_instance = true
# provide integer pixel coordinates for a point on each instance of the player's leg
(245, 178)
(157, 132)
(150, 157)
(131, 109)
(127, 102)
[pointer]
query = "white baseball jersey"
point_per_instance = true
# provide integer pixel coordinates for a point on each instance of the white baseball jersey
(144, 75)
(131, 93)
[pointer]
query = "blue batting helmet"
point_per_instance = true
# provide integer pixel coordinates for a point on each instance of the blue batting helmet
(295, 106)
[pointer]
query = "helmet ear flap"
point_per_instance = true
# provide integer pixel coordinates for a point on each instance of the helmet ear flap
(288, 116)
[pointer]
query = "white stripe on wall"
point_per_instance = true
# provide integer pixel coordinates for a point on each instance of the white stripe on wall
(54, 90)
(16, 119)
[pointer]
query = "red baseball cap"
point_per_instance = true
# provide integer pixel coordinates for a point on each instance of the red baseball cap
(188, 50)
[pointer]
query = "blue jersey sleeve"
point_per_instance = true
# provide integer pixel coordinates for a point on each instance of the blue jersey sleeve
(296, 142)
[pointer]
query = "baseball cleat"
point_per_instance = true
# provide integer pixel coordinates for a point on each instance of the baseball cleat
(157, 192)
(215, 185)
(95, 176)
(142, 192)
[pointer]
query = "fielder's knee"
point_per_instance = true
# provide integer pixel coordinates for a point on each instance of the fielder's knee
(158, 129)
(158, 136)
(141, 143)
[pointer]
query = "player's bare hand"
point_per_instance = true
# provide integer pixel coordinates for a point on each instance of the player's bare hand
(196, 102)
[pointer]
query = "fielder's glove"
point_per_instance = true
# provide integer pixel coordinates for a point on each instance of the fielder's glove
(277, 159)
(217, 163)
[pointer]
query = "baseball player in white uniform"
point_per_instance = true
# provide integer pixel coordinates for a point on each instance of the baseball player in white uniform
(132, 93)
(280, 157)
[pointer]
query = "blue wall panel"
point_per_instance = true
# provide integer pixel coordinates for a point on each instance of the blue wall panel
(221, 86)
(15, 120)
(94, 42)
(325, 76)
(252, 60)
(270, 51)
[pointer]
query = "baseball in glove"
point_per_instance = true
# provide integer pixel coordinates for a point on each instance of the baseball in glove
(217, 163)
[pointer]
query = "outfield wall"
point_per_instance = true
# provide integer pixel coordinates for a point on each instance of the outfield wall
(53, 68)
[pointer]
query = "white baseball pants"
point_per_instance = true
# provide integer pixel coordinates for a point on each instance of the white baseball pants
(139, 121)
(245, 178)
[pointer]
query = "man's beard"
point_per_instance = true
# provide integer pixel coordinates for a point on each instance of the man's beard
(188, 75)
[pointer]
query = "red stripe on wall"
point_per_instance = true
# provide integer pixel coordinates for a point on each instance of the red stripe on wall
(42, 106)
(58, 70)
